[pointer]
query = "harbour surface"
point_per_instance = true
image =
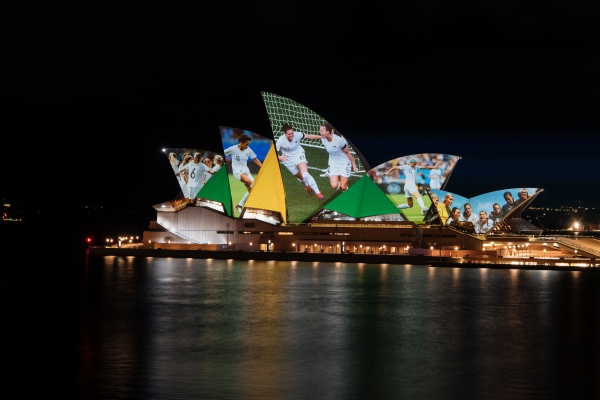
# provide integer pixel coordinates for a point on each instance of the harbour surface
(181, 328)
(516, 262)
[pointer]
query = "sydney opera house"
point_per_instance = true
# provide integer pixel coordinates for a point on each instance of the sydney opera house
(304, 187)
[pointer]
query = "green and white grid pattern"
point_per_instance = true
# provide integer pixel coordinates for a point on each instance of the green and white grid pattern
(282, 110)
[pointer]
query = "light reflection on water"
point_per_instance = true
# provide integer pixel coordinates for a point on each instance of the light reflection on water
(168, 328)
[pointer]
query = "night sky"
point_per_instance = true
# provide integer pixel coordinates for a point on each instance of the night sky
(91, 93)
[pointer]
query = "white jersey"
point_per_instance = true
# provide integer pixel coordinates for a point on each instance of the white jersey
(239, 158)
(175, 165)
(195, 173)
(179, 176)
(335, 148)
(435, 178)
(410, 185)
(483, 227)
(207, 175)
(292, 148)
(472, 218)
(293, 151)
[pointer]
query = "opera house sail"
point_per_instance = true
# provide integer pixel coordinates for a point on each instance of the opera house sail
(305, 185)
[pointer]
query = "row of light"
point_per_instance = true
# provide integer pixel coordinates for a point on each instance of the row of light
(122, 239)
(269, 244)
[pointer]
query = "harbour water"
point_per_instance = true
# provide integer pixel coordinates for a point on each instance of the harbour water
(168, 328)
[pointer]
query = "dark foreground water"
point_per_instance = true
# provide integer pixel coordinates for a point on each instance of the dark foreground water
(134, 328)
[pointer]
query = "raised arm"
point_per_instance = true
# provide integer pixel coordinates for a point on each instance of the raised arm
(313, 137)
(391, 169)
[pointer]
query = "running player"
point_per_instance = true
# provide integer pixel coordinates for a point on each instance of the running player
(240, 153)
(341, 162)
(294, 158)
(410, 185)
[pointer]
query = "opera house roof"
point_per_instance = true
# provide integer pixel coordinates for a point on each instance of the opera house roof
(290, 170)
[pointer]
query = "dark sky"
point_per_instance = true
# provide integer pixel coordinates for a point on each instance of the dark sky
(92, 91)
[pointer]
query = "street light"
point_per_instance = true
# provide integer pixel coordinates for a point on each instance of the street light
(294, 247)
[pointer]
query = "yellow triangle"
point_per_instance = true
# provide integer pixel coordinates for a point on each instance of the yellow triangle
(268, 192)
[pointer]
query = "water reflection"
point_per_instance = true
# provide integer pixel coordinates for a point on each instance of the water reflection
(187, 328)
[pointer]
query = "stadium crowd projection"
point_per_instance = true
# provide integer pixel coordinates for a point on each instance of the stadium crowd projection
(310, 171)
(405, 181)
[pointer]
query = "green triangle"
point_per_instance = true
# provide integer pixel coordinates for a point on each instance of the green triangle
(217, 189)
(363, 199)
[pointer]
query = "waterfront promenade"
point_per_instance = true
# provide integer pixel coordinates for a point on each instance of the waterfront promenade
(533, 263)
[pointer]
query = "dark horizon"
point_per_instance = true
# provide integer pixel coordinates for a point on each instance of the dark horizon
(91, 96)
(98, 147)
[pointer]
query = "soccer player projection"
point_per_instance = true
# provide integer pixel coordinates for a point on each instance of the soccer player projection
(308, 171)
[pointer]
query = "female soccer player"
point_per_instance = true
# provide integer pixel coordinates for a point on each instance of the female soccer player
(294, 157)
(240, 153)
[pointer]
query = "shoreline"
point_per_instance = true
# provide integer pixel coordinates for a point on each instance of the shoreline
(529, 263)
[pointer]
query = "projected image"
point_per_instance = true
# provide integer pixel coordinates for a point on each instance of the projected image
(406, 179)
(175, 156)
(502, 203)
(244, 153)
(192, 169)
(317, 162)
(478, 214)
(318, 167)
(443, 204)
(364, 201)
